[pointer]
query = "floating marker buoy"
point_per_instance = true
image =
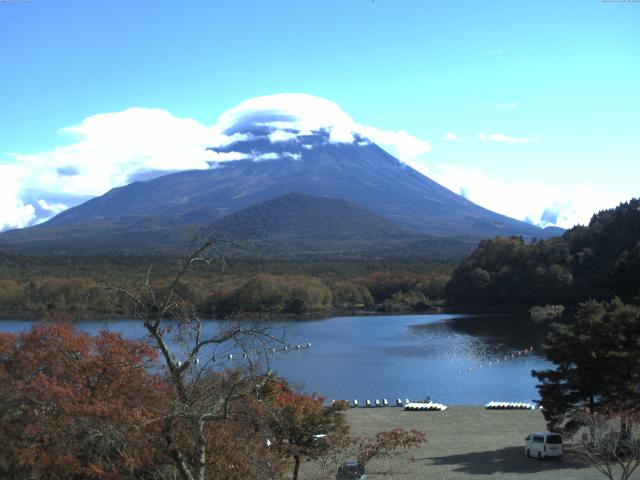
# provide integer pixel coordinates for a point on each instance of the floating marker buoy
(231, 356)
(309, 345)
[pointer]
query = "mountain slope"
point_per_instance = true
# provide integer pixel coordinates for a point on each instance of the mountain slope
(296, 216)
(363, 174)
(290, 226)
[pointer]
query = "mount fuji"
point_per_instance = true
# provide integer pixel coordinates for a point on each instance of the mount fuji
(276, 154)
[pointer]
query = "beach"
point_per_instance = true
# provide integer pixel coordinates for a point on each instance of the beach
(463, 443)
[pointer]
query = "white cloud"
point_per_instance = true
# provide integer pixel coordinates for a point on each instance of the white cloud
(282, 136)
(298, 111)
(499, 137)
(263, 156)
(406, 146)
(534, 201)
(111, 147)
(450, 137)
(293, 114)
(14, 213)
(54, 208)
(221, 157)
(494, 51)
(106, 151)
(258, 157)
(292, 156)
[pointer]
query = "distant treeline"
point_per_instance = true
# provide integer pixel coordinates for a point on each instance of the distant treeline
(84, 285)
(600, 261)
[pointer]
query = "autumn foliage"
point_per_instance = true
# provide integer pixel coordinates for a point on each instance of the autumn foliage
(76, 406)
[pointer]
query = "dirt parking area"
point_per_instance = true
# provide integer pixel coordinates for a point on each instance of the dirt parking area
(466, 443)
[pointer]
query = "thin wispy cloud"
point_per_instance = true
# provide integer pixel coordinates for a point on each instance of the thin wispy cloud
(501, 138)
(450, 137)
(494, 51)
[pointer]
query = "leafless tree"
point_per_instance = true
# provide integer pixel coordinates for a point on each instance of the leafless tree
(612, 445)
(203, 393)
(340, 448)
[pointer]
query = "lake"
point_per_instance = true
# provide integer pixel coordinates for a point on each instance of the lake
(454, 359)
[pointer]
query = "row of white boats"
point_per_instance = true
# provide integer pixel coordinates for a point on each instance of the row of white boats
(509, 406)
(407, 405)
(439, 407)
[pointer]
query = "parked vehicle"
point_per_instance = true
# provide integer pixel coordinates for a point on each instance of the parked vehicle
(351, 470)
(543, 445)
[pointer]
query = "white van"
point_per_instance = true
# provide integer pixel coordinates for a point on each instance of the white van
(543, 445)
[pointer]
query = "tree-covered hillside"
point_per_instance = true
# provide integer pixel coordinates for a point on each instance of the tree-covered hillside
(600, 261)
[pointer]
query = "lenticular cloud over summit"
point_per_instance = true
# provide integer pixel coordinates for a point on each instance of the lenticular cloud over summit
(287, 115)
(297, 112)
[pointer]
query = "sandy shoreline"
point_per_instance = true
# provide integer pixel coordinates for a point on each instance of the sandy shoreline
(463, 442)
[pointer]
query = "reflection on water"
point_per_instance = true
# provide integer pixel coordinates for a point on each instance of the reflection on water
(445, 357)
(454, 359)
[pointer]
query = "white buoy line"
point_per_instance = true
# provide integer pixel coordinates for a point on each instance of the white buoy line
(245, 355)
(513, 356)
(427, 405)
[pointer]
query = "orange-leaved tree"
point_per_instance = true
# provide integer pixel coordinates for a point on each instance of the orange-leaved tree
(74, 405)
(302, 425)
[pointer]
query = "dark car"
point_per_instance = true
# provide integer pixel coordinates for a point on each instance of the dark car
(351, 470)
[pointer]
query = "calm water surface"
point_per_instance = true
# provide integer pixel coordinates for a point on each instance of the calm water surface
(443, 356)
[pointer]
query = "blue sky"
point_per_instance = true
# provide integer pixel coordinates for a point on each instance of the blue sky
(528, 108)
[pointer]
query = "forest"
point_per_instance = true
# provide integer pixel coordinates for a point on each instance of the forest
(599, 261)
(84, 286)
